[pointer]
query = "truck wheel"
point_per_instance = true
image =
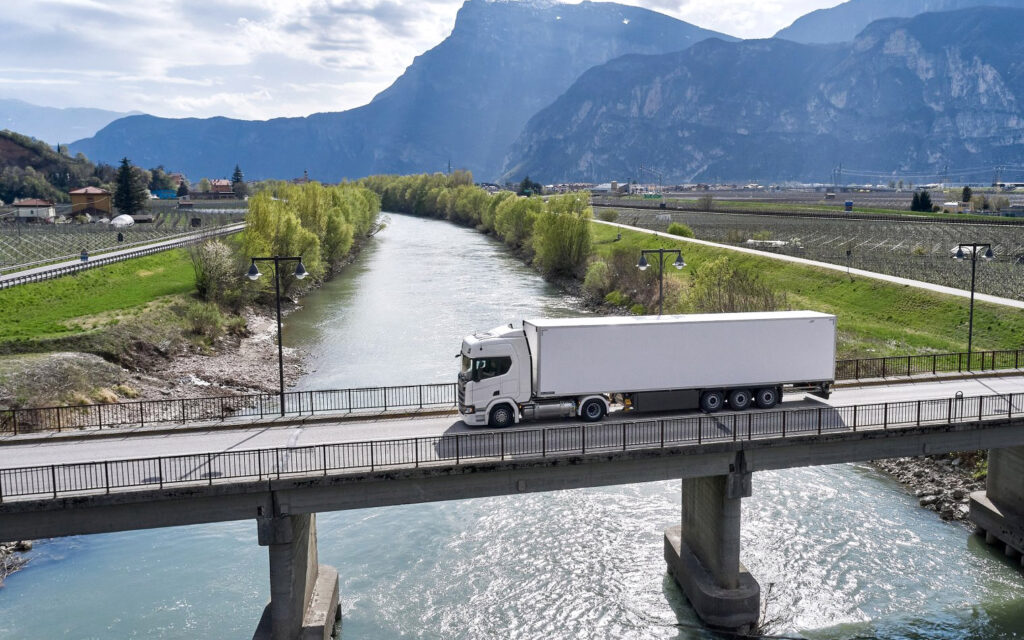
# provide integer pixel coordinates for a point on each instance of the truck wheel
(592, 410)
(739, 399)
(711, 401)
(767, 397)
(502, 416)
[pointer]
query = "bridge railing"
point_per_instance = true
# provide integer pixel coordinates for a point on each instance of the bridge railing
(55, 481)
(409, 397)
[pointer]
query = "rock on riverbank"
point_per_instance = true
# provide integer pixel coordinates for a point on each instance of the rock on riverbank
(941, 483)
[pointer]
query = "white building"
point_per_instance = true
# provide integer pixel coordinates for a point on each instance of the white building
(34, 210)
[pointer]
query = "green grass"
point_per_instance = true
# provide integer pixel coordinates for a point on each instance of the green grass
(754, 205)
(875, 318)
(93, 298)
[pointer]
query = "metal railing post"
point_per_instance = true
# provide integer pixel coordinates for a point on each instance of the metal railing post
(784, 423)
(106, 475)
(53, 480)
(949, 412)
(883, 366)
(457, 457)
(623, 436)
(919, 413)
(209, 467)
(416, 449)
(856, 369)
(583, 440)
(700, 429)
(933, 364)
(885, 415)
(544, 443)
(662, 423)
(324, 447)
(819, 421)
(160, 471)
(854, 417)
(183, 411)
(908, 366)
(502, 445)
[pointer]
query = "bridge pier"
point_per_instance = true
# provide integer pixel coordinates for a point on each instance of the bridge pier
(703, 554)
(303, 593)
(998, 511)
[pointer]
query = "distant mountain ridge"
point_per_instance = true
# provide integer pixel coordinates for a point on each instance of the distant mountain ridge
(54, 125)
(908, 94)
(464, 101)
(843, 22)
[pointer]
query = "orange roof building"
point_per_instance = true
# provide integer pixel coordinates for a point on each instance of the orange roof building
(91, 200)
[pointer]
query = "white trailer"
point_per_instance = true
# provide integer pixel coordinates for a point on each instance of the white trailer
(575, 366)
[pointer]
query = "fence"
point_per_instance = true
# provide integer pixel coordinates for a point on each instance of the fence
(54, 481)
(14, 280)
(185, 410)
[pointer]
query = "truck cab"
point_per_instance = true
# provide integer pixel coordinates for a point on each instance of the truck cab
(494, 377)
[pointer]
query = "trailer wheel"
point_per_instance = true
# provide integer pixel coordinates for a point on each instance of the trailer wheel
(766, 397)
(711, 401)
(502, 416)
(739, 399)
(592, 410)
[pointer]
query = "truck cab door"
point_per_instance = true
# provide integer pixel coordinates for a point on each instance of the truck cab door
(493, 377)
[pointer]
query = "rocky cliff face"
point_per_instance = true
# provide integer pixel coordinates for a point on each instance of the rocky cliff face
(463, 101)
(906, 95)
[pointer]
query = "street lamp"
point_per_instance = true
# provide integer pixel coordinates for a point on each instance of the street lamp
(643, 264)
(987, 256)
(300, 273)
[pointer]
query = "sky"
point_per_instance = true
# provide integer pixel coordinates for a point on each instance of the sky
(260, 59)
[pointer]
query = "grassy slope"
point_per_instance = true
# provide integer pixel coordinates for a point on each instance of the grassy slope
(55, 308)
(874, 318)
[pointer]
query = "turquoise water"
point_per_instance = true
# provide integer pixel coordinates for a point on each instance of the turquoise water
(840, 552)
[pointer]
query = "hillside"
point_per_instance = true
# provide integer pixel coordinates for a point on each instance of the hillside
(464, 101)
(907, 95)
(32, 169)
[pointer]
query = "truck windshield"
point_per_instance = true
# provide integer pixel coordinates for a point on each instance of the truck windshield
(467, 364)
(484, 368)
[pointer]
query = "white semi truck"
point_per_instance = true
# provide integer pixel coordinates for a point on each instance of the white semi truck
(568, 367)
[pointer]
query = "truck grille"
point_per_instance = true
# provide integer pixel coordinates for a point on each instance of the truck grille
(462, 393)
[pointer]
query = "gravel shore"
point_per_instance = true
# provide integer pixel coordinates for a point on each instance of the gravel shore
(942, 484)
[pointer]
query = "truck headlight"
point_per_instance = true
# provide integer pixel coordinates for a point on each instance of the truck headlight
(469, 409)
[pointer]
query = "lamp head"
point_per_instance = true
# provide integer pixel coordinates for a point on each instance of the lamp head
(642, 264)
(253, 273)
(679, 263)
(988, 255)
(300, 271)
(959, 253)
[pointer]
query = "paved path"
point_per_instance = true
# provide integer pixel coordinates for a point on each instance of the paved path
(112, 256)
(938, 288)
(62, 450)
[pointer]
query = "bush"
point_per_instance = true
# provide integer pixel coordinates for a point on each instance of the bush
(608, 215)
(216, 271)
(204, 319)
(706, 202)
(638, 309)
(681, 230)
(616, 298)
(597, 281)
(719, 287)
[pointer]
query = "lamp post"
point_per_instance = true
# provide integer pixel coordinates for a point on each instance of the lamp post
(300, 273)
(661, 253)
(988, 255)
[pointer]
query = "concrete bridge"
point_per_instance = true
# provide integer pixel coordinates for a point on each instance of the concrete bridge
(78, 491)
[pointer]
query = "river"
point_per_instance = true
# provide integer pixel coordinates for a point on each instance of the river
(840, 551)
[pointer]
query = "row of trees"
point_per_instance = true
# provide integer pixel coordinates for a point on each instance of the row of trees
(555, 234)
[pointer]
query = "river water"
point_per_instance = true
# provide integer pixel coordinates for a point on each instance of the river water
(840, 551)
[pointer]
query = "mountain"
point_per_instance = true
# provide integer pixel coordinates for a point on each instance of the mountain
(463, 101)
(51, 124)
(843, 22)
(907, 95)
(31, 169)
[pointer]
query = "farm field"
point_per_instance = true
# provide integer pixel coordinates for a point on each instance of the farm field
(875, 318)
(22, 244)
(917, 250)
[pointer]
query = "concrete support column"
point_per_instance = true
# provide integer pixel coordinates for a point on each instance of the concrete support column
(303, 593)
(998, 512)
(703, 554)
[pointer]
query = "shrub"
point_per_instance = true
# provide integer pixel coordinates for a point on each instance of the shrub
(216, 270)
(638, 309)
(597, 281)
(719, 287)
(562, 238)
(616, 298)
(608, 215)
(126, 391)
(681, 230)
(237, 326)
(204, 319)
(706, 202)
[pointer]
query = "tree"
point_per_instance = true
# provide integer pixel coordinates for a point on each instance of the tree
(160, 180)
(925, 201)
(915, 202)
(204, 186)
(238, 183)
(528, 187)
(965, 195)
(129, 195)
(183, 188)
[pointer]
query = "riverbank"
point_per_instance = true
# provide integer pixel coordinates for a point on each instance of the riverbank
(942, 484)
